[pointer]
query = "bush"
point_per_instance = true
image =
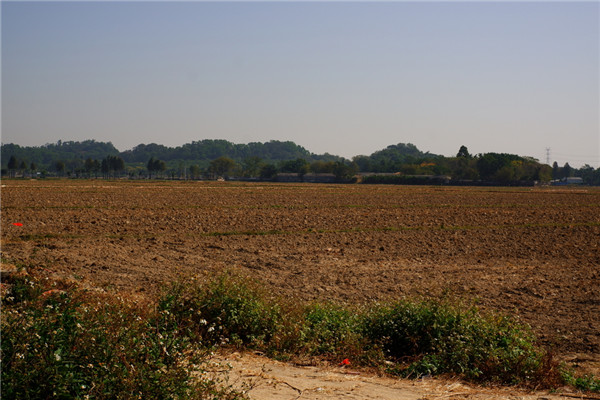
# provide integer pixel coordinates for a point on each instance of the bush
(427, 337)
(586, 382)
(75, 344)
(331, 330)
(433, 337)
(62, 342)
(224, 311)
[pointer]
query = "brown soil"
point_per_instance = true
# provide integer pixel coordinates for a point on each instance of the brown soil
(529, 252)
(268, 379)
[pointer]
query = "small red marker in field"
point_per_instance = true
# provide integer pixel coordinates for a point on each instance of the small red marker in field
(345, 362)
(51, 292)
(17, 224)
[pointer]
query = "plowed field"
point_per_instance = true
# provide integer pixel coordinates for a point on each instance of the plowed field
(529, 252)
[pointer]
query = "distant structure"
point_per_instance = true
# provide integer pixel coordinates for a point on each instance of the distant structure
(570, 180)
(547, 155)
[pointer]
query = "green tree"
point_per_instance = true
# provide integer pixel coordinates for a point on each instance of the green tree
(322, 167)
(91, 166)
(12, 162)
(155, 165)
(555, 171)
(251, 166)
(221, 166)
(195, 171)
(268, 172)
(12, 166)
(112, 164)
(151, 166)
(567, 171)
(364, 163)
(344, 172)
(59, 166)
(544, 173)
(463, 152)
(489, 165)
(105, 167)
(299, 166)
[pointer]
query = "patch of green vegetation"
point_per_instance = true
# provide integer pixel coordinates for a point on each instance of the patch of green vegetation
(36, 237)
(247, 233)
(404, 338)
(588, 383)
(62, 342)
(437, 337)
(50, 207)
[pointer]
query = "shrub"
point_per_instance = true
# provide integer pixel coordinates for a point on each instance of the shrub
(433, 337)
(586, 382)
(62, 342)
(226, 310)
(74, 344)
(331, 330)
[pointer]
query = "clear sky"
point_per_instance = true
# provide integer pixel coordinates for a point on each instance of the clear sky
(346, 78)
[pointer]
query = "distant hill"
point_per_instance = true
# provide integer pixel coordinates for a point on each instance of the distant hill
(392, 158)
(199, 152)
(201, 158)
(210, 149)
(49, 153)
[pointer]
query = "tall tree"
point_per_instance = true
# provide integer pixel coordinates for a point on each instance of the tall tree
(221, 166)
(60, 167)
(251, 166)
(155, 165)
(555, 171)
(463, 152)
(12, 166)
(195, 171)
(567, 171)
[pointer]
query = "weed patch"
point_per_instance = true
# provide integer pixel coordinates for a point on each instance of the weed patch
(409, 339)
(61, 342)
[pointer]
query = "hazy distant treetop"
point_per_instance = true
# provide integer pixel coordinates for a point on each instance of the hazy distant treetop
(463, 152)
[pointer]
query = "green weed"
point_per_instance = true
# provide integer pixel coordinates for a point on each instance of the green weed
(435, 337)
(61, 342)
(67, 343)
(587, 382)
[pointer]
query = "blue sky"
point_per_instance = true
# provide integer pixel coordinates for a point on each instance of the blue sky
(346, 78)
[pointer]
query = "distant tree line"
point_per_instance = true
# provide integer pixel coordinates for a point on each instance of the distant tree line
(214, 159)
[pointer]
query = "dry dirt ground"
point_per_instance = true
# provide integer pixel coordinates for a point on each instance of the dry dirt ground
(268, 379)
(529, 252)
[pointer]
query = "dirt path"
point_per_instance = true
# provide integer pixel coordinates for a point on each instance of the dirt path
(266, 379)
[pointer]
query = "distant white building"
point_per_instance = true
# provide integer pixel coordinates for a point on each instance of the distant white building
(572, 180)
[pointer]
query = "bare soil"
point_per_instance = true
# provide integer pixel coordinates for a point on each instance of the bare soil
(529, 252)
(269, 379)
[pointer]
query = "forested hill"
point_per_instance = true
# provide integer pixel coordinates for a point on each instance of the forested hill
(44, 156)
(211, 158)
(392, 158)
(200, 152)
(210, 149)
